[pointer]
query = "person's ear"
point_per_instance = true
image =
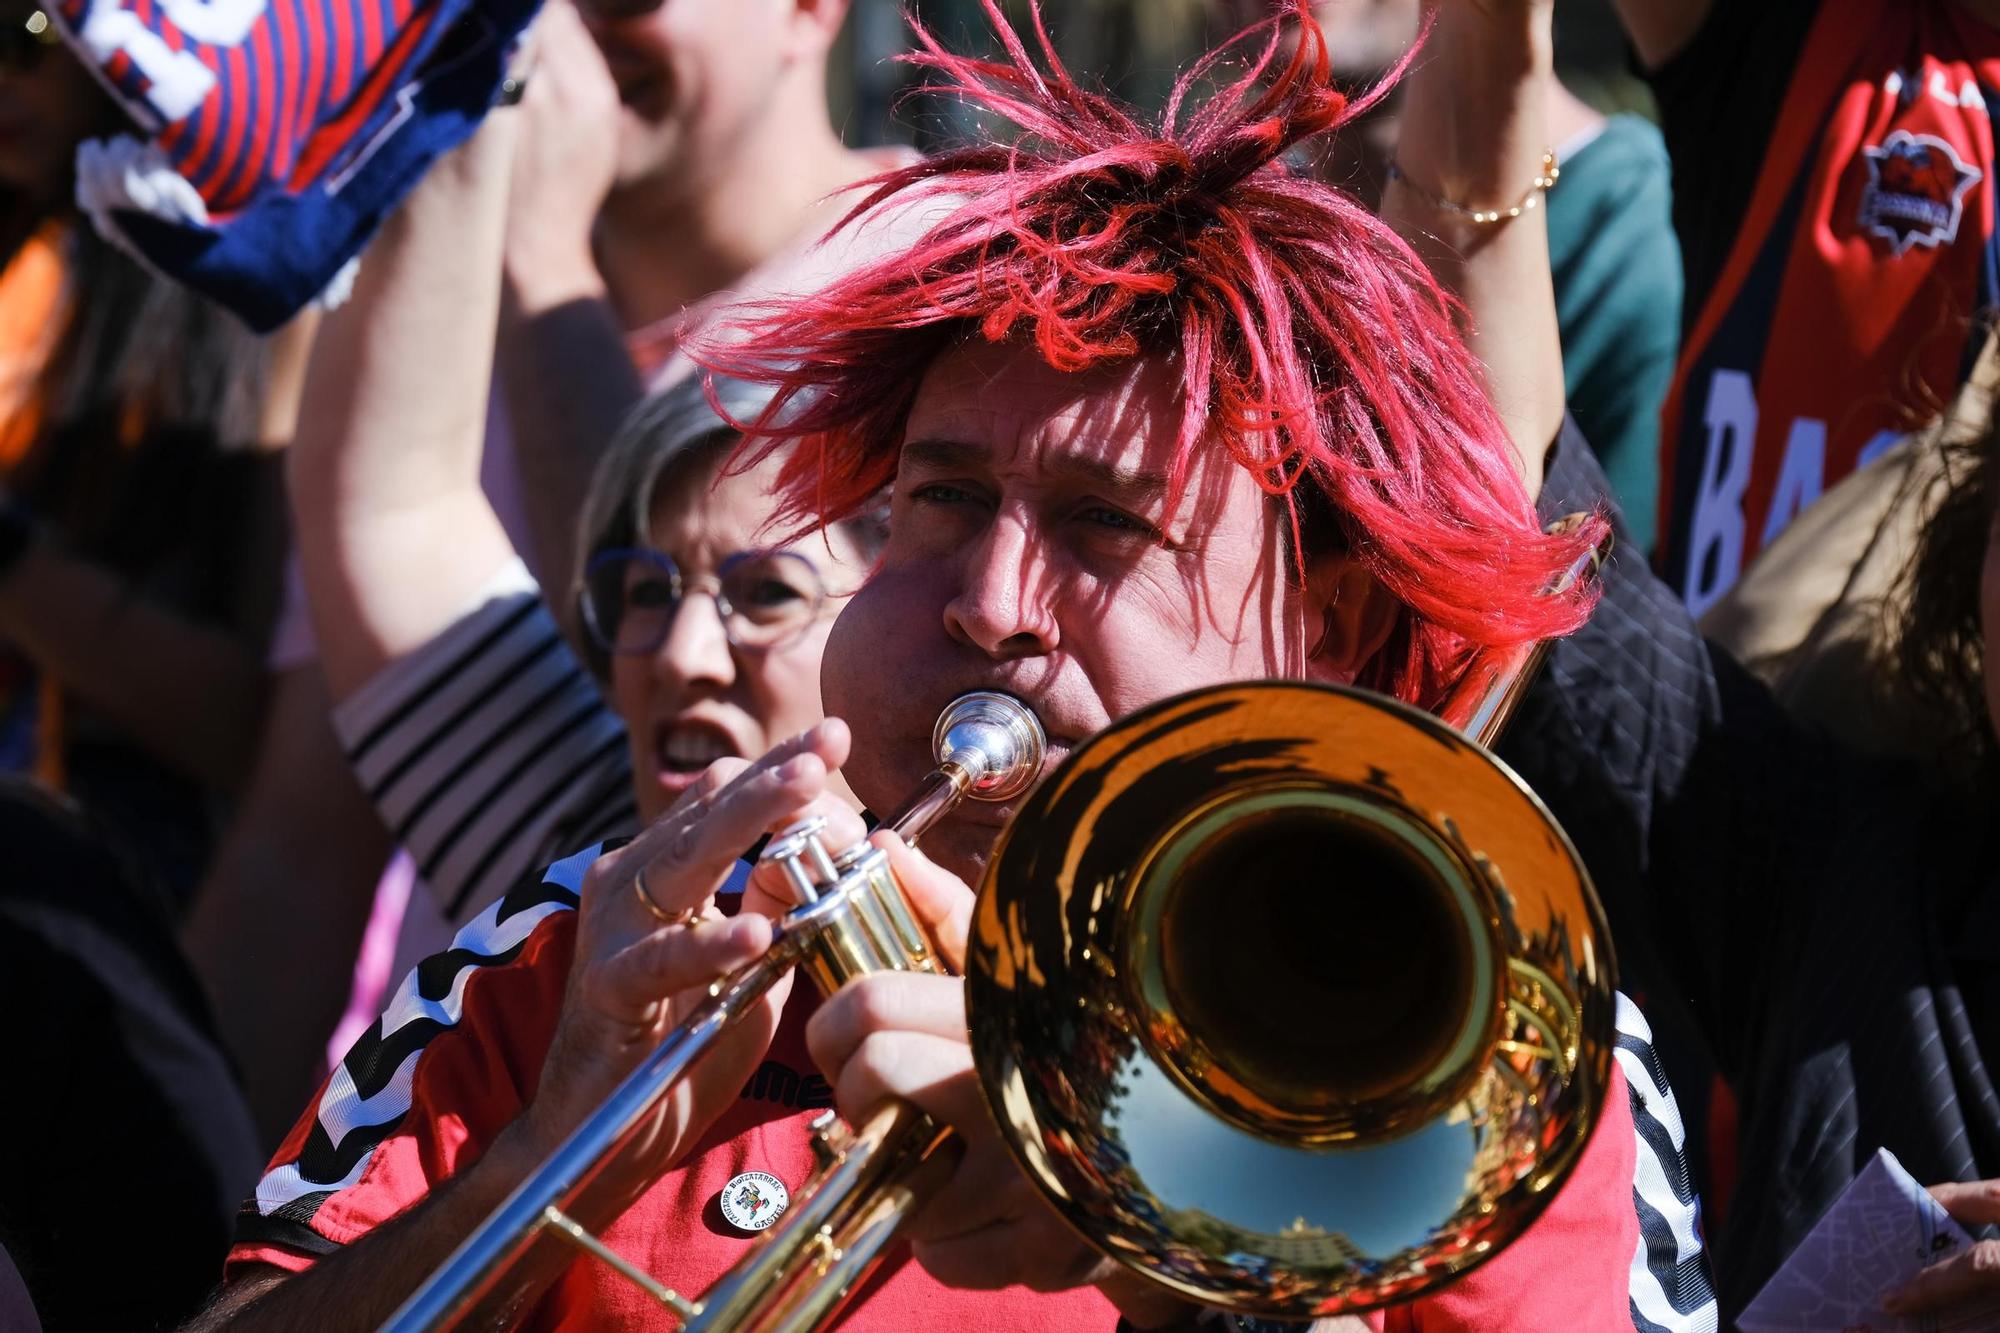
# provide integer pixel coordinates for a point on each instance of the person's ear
(1348, 617)
(813, 27)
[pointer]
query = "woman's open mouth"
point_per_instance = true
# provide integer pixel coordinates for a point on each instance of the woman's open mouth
(685, 747)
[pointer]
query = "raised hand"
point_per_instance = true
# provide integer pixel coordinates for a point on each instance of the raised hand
(565, 162)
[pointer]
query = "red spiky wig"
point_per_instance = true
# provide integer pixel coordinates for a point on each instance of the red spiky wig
(1312, 344)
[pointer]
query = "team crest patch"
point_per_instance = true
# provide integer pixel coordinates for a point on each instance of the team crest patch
(754, 1200)
(1916, 191)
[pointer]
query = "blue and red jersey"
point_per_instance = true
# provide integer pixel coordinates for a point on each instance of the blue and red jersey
(1832, 302)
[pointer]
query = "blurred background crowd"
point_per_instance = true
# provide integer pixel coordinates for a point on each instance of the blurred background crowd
(260, 758)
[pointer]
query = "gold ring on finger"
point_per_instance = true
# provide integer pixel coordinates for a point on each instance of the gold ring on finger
(684, 917)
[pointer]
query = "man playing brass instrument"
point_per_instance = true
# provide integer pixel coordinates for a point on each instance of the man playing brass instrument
(1155, 413)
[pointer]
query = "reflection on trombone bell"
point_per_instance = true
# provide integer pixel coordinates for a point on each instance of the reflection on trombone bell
(1360, 860)
(1304, 1009)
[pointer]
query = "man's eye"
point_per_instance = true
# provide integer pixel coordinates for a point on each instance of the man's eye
(1117, 520)
(942, 492)
(771, 592)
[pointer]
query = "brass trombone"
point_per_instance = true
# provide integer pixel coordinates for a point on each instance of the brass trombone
(1289, 997)
(852, 918)
(1304, 1008)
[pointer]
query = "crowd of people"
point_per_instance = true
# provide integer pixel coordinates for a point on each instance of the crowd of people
(386, 703)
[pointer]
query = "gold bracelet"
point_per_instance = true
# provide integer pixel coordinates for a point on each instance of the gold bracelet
(1485, 217)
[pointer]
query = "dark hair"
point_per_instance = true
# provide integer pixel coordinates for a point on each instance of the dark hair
(146, 387)
(1940, 644)
(134, 347)
(670, 438)
(137, 339)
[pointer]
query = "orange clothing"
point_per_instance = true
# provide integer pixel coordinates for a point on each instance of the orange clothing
(32, 297)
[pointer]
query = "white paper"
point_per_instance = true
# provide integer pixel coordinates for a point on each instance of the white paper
(1882, 1231)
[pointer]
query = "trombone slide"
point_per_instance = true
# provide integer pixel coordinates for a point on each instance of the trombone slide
(852, 919)
(473, 1279)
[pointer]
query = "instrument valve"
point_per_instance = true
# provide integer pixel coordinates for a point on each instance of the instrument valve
(830, 1137)
(802, 858)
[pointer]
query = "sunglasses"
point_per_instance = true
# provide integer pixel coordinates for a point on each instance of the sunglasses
(24, 42)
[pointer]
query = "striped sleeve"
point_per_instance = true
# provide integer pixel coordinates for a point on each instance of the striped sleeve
(1671, 1291)
(490, 749)
(450, 1063)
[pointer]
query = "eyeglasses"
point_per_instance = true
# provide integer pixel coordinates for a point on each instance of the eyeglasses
(23, 44)
(766, 599)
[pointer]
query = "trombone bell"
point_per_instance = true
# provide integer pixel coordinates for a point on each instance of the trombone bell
(1290, 998)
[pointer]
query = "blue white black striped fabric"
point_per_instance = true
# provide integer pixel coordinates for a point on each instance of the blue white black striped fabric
(367, 1097)
(1671, 1291)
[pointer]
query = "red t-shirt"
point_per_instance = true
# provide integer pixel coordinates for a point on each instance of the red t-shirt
(460, 1047)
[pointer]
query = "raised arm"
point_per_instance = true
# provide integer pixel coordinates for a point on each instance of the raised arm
(1657, 754)
(394, 532)
(1474, 137)
(568, 378)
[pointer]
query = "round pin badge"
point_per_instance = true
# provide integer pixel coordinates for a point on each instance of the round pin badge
(754, 1200)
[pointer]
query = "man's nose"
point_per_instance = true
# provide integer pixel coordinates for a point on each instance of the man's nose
(1003, 603)
(696, 649)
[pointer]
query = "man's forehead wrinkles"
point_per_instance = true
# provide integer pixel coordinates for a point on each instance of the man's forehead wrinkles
(1095, 471)
(1056, 459)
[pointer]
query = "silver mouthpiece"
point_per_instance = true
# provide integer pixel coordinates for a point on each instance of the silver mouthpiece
(995, 738)
(989, 746)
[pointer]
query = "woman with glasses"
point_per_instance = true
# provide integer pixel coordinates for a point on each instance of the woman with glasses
(488, 744)
(491, 748)
(708, 639)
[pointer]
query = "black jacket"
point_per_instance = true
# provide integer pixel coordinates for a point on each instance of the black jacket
(1819, 926)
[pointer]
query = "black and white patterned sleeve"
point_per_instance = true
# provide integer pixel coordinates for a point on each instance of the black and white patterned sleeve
(1671, 1291)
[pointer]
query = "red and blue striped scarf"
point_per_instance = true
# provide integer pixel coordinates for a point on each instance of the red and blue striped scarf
(275, 135)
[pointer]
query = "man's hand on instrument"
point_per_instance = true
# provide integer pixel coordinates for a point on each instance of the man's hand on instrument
(903, 1034)
(650, 941)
